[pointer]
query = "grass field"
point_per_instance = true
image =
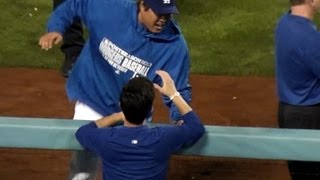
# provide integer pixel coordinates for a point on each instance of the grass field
(225, 37)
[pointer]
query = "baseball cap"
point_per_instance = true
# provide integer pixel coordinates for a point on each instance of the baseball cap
(162, 6)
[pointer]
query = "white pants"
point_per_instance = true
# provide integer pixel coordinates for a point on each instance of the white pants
(84, 112)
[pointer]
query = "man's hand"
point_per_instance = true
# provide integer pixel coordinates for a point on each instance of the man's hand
(168, 88)
(46, 41)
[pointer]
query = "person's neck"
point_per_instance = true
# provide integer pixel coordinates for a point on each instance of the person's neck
(303, 11)
(128, 124)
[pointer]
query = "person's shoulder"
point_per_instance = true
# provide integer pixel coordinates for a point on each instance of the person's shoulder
(163, 128)
(125, 2)
(311, 43)
(159, 129)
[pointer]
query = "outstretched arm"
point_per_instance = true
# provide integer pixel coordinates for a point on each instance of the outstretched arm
(168, 89)
(191, 129)
(91, 135)
(60, 19)
(110, 120)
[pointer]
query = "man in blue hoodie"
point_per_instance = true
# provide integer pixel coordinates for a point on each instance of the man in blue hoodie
(298, 76)
(135, 151)
(126, 39)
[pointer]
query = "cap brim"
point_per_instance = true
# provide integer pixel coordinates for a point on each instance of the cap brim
(168, 10)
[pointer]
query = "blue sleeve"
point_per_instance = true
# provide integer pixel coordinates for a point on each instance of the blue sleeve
(313, 51)
(179, 70)
(185, 135)
(91, 137)
(63, 16)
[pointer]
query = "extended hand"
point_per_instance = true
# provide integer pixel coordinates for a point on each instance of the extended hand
(46, 41)
(168, 88)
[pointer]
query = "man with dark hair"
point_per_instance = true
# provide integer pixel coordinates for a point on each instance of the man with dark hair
(136, 99)
(296, 2)
(134, 151)
(298, 76)
(73, 43)
(126, 39)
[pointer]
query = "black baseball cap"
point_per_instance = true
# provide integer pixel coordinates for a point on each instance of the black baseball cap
(162, 6)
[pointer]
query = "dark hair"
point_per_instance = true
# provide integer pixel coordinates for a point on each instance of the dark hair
(136, 99)
(144, 4)
(297, 2)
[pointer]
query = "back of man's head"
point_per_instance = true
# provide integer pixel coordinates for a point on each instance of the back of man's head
(297, 2)
(136, 99)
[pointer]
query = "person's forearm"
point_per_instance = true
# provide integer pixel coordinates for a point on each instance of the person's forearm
(109, 120)
(193, 126)
(181, 104)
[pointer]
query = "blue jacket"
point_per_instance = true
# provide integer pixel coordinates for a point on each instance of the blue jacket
(119, 48)
(139, 152)
(297, 61)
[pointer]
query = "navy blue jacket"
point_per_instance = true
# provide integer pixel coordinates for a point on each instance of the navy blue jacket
(139, 152)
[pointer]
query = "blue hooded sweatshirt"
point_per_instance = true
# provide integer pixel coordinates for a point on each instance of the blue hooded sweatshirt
(119, 48)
